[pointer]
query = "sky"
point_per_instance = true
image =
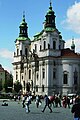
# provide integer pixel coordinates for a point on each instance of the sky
(11, 11)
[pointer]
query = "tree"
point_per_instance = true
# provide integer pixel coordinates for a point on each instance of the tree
(8, 84)
(17, 86)
(0, 85)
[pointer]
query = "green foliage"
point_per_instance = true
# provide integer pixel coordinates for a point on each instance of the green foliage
(17, 86)
(0, 85)
(8, 84)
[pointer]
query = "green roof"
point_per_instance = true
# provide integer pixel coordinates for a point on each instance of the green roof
(23, 38)
(49, 29)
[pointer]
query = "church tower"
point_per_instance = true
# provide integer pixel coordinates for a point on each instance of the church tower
(50, 18)
(21, 53)
(73, 45)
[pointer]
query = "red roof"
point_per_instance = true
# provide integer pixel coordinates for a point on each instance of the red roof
(2, 69)
(69, 53)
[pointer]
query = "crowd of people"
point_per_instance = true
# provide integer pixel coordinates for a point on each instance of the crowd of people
(49, 102)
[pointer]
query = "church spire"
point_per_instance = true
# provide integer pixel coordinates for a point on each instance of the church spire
(50, 18)
(23, 16)
(50, 5)
(23, 27)
(73, 45)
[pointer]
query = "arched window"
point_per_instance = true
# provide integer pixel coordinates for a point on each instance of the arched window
(17, 51)
(54, 45)
(43, 73)
(26, 52)
(24, 85)
(29, 74)
(75, 77)
(40, 47)
(35, 48)
(42, 88)
(44, 45)
(16, 75)
(65, 77)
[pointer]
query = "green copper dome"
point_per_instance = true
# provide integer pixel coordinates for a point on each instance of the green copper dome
(23, 23)
(50, 18)
(23, 35)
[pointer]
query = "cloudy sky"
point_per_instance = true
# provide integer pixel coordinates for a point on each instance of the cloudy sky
(67, 22)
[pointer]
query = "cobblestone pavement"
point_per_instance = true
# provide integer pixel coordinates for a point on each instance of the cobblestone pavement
(14, 111)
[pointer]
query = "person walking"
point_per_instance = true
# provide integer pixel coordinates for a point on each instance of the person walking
(76, 109)
(47, 104)
(27, 103)
(23, 101)
(38, 101)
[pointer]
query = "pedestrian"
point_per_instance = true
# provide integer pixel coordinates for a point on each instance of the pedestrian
(76, 109)
(27, 103)
(23, 101)
(65, 101)
(38, 101)
(68, 102)
(56, 101)
(47, 104)
(52, 98)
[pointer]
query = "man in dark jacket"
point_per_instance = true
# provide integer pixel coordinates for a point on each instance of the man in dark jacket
(47, 103)
(76, 109)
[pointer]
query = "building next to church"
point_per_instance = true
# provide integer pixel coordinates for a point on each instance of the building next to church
(43, 65)
(6, 80)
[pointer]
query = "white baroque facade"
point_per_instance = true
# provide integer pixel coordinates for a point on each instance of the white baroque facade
(43, 65)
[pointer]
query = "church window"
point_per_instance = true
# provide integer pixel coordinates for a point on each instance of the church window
(35, 48)
(22, 77)
(22, 31)
(54, 63)
(29, 74)
(26, 52)
(32, 84)
(59, 47)
(17, 51)
(43, 73)
(75, 77)
(48, 46)
(42, 88)
(44, 45)
(16, 75)
(36, 88)
(40, 47)
(24, 84)
(54, 74)
(20, 52)
(43, 63)
(37, 76)
(65, 78)
(54, 45)
(22, 66)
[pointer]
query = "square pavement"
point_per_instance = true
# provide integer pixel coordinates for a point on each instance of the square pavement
(15, 111)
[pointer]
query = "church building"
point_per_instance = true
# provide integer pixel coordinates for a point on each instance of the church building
(43, 65)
